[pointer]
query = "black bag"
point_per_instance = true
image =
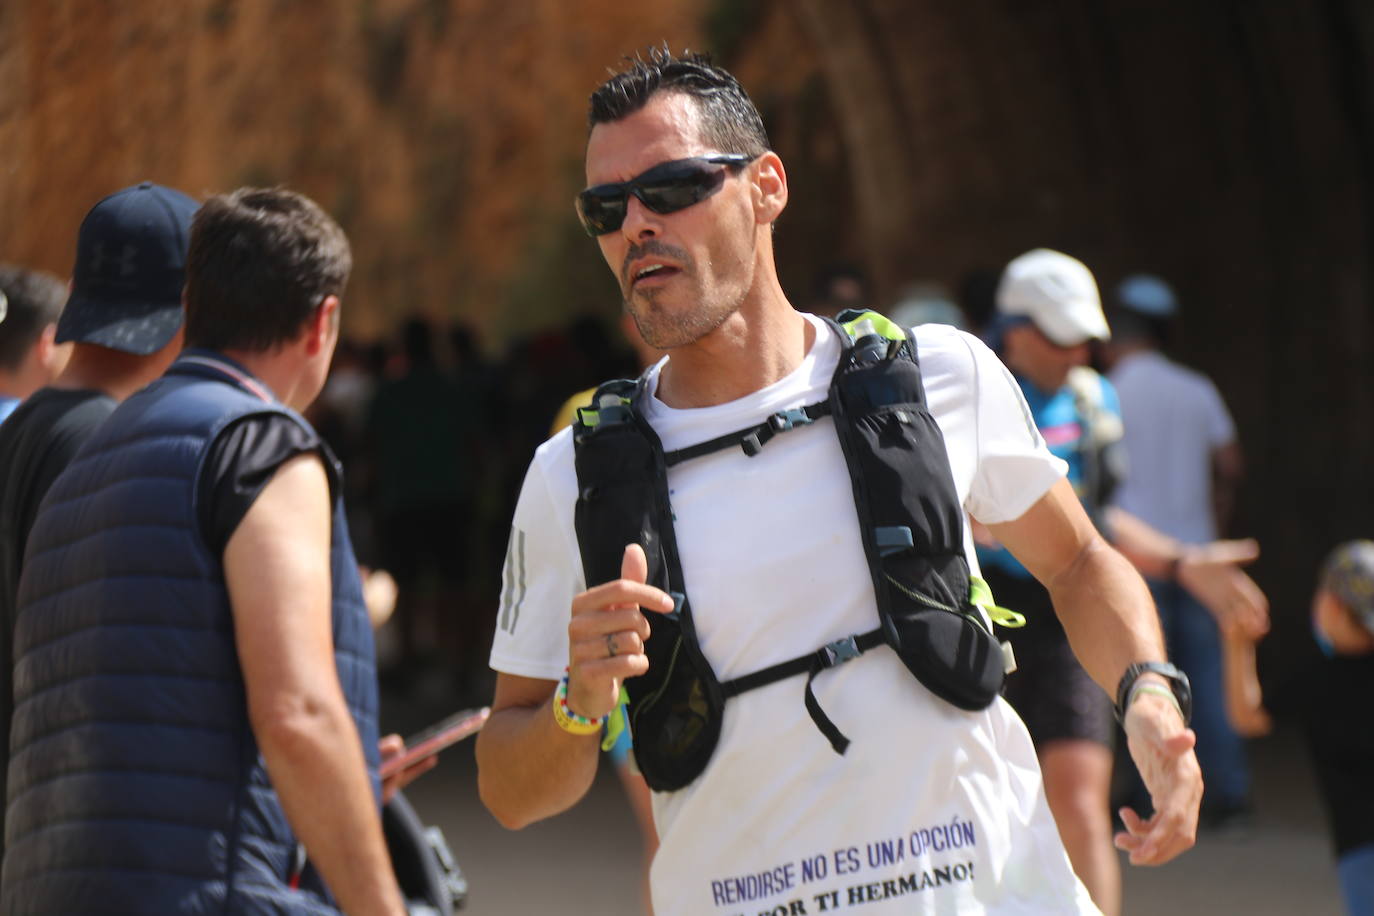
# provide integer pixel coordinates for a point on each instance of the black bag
(430, 879)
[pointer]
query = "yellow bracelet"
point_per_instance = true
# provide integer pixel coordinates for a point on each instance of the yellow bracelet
(1157, 690)
(569, 721)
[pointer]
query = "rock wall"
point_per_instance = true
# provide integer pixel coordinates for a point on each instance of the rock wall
(445, 135)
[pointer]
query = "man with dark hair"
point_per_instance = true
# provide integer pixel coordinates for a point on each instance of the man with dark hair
(759, 563)
(195, 696)
(124, 322)
(30, 303)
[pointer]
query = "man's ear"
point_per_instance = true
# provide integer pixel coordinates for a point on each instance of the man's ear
(770, 188)
(321, 325)
(45, 347)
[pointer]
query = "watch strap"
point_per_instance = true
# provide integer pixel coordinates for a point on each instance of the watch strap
(1178, 683)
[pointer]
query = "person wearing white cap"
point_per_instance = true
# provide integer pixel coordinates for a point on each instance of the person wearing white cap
(1049, 313)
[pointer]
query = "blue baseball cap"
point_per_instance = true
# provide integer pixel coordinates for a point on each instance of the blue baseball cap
(130, 269)
(1147, 294)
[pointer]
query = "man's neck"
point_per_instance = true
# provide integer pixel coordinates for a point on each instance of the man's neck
(758, 345)
(21, 382)
(108, 371)
(11, 388)
(1125, 349)
(277, 369)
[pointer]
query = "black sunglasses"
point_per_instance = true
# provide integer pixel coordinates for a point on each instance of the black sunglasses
(665, 188)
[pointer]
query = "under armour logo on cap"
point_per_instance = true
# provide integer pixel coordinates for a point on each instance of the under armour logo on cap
(130, 268)
(127, 259)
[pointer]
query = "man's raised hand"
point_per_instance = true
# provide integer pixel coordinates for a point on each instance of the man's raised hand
(606, 635)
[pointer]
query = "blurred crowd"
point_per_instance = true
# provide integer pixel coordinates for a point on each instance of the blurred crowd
(434, 433)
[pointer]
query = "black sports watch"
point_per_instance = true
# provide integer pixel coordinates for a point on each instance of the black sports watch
(1178, 683)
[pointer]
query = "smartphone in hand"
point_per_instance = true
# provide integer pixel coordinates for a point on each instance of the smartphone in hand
(434, 739)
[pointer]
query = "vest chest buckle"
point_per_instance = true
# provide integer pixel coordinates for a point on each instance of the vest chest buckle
(784, 420)
(838, 652)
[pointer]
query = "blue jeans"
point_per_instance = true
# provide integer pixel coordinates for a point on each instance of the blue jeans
(1195, 646)
(1356, 871)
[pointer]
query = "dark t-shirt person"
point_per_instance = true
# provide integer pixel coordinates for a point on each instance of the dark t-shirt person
(36, 443)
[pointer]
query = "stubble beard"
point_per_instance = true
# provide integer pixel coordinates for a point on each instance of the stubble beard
(667, 318)
(665, 327)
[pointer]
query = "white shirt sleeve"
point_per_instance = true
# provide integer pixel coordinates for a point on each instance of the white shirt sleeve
(1014, 467)
(541, 574)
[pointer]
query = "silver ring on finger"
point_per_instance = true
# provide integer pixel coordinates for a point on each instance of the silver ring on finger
(610, 645)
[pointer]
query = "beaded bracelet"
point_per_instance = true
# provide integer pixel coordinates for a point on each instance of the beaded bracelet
(1157, 690)
(569, 721)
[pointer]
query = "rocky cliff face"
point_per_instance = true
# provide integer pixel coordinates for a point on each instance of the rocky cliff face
(445, 135)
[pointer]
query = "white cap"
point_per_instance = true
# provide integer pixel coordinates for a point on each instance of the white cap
(1057, 293)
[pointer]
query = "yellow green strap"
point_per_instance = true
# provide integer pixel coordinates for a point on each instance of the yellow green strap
(980, 593)
(589, 416)
(885, 326)
(616, 723)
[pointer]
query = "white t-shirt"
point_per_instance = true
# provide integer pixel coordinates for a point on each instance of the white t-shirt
(932, 809)
(1174, 419)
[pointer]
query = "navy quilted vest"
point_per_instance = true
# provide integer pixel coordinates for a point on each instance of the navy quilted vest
(135, 782)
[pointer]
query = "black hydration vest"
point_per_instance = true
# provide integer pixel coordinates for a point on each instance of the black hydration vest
(909, 514)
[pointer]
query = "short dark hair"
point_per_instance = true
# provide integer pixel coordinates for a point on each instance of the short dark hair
(32, 301)
(260, 261)
(729, 120)
(1129, 324)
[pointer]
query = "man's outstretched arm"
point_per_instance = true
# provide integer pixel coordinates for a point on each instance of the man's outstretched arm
(1111, 623)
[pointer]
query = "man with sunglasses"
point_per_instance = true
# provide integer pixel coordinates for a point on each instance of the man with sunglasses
(931, 808)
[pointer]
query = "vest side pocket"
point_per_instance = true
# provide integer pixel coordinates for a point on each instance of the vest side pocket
(920, 578)
(676, 720)
(675, 709)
